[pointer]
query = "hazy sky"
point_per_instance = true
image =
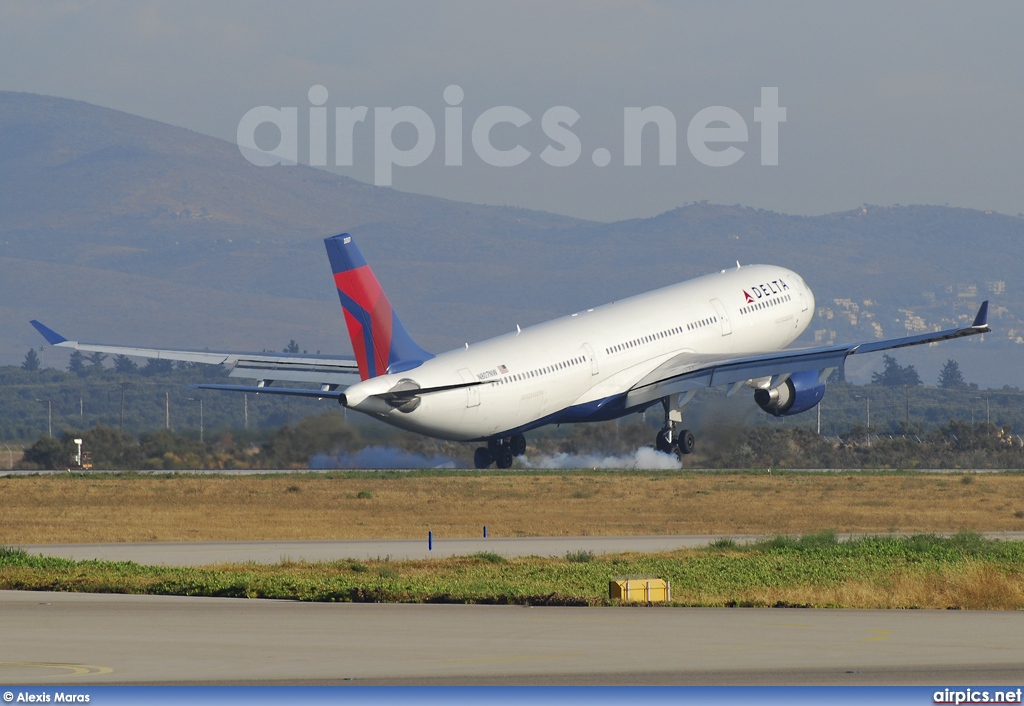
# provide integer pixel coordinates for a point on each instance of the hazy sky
(886, 102)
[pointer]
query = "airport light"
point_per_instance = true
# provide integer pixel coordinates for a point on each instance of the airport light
(120, 426)
(200, 401)
(868, 400)
(49, 416)
(988, 413)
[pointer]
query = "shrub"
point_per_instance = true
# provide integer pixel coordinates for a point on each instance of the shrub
(580, 556)
(489, 557)
(971, 543)
(828, 538)
(816, 540)
(779, 541)
(12, 554)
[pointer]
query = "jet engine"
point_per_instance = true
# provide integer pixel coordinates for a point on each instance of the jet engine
(799, 393)
(374, 397)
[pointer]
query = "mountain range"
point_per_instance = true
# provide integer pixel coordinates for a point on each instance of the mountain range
(121, 229)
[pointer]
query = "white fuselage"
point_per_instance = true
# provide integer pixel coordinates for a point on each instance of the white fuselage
(567, 368)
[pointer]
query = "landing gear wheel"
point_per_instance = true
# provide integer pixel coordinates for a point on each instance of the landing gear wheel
(686, 442)
(482, 458)
(663, 442)
(518, 445)
(505, 456)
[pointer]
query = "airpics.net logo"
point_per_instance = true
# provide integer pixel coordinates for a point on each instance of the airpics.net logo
(712, 135)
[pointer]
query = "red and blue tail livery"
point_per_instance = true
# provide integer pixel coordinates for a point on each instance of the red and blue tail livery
(379, 340)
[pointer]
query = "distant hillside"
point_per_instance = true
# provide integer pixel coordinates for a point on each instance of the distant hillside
(122, 229)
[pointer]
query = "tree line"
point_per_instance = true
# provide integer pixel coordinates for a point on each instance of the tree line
(135, 400)
(147, 417)
(290, 446)
(895, 375)
(958, 445)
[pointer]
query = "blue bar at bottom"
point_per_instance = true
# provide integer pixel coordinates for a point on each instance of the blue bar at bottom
(955, 695)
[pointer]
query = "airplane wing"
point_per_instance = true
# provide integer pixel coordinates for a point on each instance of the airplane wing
(328, 372)
(686, 372)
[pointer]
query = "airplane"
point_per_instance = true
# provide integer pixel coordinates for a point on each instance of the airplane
(730, 328)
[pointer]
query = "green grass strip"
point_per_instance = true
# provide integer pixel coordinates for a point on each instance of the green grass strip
(766, 573)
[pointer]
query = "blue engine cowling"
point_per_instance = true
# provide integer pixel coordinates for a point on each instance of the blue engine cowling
(799, 393)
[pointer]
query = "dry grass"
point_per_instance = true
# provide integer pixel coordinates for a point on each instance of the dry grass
(68, 509)
(976, 585)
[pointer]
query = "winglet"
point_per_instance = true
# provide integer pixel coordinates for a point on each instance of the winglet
(981, 320)
(51, 336)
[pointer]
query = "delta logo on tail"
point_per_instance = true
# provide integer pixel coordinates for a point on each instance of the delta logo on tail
(379, 340)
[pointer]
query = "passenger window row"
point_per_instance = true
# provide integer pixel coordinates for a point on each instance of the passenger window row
(701, 323)
(644, 339)
(546, 370)
(765, 304)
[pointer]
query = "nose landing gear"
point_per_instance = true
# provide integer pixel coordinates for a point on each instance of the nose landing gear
(500, 452)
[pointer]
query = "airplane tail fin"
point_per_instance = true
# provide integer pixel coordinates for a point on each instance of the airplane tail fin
(379, 339)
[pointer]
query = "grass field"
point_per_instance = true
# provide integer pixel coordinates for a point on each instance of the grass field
(109, 508)
(964, 571)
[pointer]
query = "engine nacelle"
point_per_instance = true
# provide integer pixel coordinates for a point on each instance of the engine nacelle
(799, 393)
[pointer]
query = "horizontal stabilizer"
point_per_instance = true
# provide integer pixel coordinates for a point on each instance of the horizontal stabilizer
(417, 391)
(269, 390)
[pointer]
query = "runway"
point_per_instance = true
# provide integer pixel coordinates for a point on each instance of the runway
(85, 639)
(81, 639)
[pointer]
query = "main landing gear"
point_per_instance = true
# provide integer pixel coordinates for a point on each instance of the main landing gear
(671, 439)
(500, 452)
